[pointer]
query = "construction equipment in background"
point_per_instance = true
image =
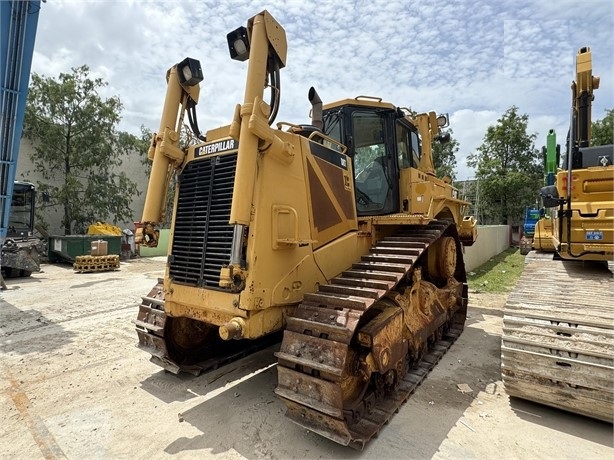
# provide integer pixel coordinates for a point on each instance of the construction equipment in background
(531, 217)
(337, 233)
(538, 222)
(542, 239)
(18, 21)
(21, 249)
(558, 325)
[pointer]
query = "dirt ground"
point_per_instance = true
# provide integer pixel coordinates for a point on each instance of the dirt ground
(73, 385)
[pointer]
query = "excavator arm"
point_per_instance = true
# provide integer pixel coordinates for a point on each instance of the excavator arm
(582, 94)
(165, 152)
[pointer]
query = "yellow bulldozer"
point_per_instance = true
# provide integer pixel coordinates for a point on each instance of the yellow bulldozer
(336, 234)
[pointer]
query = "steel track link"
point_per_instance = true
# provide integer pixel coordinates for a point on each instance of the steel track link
(318, 340)
(151, 329)
(318, 337)
(557, 346)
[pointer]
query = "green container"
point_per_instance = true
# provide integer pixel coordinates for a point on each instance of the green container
(67, 248)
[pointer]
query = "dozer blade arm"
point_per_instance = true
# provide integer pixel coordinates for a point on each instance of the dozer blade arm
(164, 152)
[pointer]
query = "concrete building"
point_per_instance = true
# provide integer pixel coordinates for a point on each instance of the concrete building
(131, 164)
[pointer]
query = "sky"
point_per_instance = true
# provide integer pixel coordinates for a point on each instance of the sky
(471, 59)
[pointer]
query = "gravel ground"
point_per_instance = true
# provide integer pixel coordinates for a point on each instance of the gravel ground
(73, 385)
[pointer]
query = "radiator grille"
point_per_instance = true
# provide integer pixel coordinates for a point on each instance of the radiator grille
(202, 238)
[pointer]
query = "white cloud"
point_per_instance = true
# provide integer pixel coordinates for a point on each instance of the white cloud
(472, 59)
(469, 128)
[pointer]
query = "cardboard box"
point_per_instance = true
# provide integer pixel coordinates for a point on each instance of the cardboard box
(99, 248)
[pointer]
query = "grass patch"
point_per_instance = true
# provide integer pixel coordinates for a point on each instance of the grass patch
(499, 274)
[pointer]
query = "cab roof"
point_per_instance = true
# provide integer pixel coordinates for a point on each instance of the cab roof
(362, 101)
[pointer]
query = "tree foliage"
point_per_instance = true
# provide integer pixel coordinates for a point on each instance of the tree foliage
(508, 168)
(78, 151)
(444, 156)
(603, 130)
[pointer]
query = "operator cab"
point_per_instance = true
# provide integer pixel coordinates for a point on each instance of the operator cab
(21, 217)
(381, 143)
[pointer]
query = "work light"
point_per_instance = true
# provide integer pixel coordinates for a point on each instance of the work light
(190, 72)
(238, 44)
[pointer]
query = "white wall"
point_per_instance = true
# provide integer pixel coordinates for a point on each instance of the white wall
(492, 240)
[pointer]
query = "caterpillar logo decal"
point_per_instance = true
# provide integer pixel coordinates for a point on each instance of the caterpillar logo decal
(216, 147)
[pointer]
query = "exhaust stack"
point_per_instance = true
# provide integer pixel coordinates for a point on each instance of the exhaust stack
(316, 108)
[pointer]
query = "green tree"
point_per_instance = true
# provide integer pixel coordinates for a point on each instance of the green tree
(78, 151)
(141, 144)
(444, 156)
(603, 130)
(508, 168)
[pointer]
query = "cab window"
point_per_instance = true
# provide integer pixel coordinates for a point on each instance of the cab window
(408, 146)
(415, 149)
(403, 146)
(372, 179)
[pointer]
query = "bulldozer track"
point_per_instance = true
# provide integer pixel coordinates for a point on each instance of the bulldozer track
(321, 335)
(151, 328)
(322, 332)
(557, 345)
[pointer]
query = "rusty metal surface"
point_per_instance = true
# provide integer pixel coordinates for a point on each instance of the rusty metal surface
(348, 398)
(348, 360)
(164, 337)
(21, 257)
(90, 264)
(557, 346)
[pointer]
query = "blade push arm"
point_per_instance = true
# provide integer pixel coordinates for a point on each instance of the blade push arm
(429, 126)
(164, 152)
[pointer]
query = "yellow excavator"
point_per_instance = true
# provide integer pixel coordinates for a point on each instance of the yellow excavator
(558, 326)
(336, 234)
(541, 234)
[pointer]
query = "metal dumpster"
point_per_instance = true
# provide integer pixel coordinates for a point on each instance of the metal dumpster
(66, 248)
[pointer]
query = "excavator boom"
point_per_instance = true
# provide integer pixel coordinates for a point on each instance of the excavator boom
(558, 335)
